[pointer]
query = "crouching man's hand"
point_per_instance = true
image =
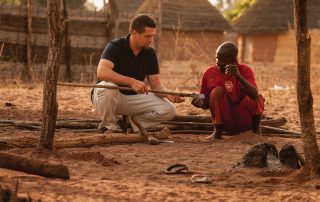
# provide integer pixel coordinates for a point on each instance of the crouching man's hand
(174, 98)
(199, 102)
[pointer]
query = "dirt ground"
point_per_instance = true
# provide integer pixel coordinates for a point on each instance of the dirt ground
(133, 172)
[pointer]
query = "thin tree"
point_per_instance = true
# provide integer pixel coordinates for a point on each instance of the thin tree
(67, 46)
(27, 75)
(50, 105)
(304, 94)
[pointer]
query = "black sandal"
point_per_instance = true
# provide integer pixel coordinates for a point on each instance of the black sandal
(177, 168)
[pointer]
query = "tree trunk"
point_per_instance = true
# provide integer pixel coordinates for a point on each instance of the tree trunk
(304, 95)
(67, 46)
(50, 105)
(27, 75)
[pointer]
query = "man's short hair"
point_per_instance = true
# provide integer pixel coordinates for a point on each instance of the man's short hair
(141, 21)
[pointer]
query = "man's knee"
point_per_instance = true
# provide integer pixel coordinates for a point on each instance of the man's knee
(255, 107)
(167, 112)
(105, 94)
(105, 99)
(216, 93)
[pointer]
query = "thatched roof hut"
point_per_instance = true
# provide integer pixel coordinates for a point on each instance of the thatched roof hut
(186, 27)
(125, 6)
(187, 15)
(121, 13)
(266, 30)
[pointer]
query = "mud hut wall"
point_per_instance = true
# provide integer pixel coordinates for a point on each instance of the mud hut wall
(175, 45)
(87, 33)
(286, 47)
(275, 47)
(264, 47)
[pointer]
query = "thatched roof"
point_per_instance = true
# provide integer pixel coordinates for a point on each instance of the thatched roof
(187, 15)
(267, 16)
(125, 6)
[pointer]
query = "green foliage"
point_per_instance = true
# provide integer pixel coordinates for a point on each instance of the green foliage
(13, 2)
(239, 7)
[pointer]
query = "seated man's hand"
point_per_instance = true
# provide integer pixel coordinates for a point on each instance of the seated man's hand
(232, 70)
(174, 98)
(199, 102)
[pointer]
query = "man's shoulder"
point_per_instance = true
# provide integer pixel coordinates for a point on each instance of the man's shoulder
(244, 67)
(210, 69)
(119, 42)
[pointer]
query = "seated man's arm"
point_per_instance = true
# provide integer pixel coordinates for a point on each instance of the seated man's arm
(201, 101)
(250, 89)
(155, 83)
(105, 73)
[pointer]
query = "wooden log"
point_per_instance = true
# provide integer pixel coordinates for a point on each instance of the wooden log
(192, 132)
(196, 121)
(92, 140)
(33, 166)
(192, 118)
(281, 130)
(21, 142)
(59, 124)
(87, 141)
(226, 134)
(207, 119)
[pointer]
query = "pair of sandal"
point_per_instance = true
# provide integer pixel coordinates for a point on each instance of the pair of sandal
(183, 169)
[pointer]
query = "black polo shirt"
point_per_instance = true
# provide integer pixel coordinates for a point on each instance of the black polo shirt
(126, 63)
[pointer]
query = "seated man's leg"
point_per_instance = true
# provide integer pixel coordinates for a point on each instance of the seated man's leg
(148, 109)
(106, 102)
(251, 112)
(220, 112)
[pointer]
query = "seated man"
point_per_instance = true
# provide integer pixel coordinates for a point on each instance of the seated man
(128, 61)
(231, 94)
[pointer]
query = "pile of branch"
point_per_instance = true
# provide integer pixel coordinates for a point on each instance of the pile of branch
(190, 124)
(203, 125)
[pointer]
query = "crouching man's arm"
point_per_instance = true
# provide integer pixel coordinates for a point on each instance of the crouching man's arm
(155, 83)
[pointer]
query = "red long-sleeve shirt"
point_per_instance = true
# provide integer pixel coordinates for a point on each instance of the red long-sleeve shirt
(212, 78)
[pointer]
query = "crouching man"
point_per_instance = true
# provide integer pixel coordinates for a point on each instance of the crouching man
(231, 94)
(128, 61)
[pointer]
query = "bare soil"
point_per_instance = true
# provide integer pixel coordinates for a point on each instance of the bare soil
(133, 172)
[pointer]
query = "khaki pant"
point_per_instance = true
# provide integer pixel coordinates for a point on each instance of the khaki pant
(148, 109)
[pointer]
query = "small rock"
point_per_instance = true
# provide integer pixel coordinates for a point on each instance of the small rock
(290, 157)
(257, 155)
(9, 104)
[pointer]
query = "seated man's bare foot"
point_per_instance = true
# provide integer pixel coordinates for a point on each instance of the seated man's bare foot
(153, 140)
(256, 125)
(257, 130)
(217, 133)
(214, 136)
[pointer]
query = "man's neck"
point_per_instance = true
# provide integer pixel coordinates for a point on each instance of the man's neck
(135, 49)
